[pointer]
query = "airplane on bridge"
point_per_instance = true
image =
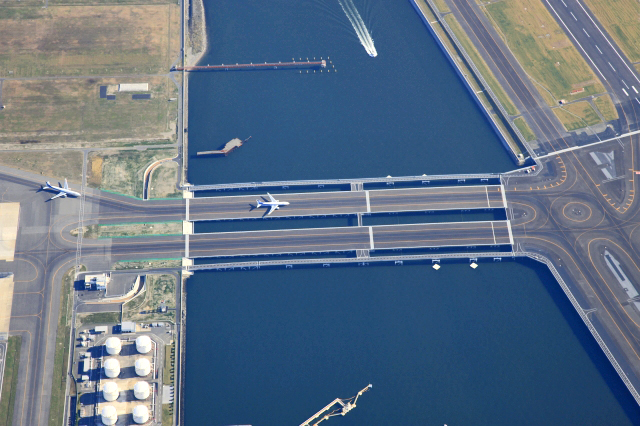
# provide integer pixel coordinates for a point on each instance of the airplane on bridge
(273, 204)
(63, 192)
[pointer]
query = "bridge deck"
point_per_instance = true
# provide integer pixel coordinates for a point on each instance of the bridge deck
(354, 202)
(461, 234)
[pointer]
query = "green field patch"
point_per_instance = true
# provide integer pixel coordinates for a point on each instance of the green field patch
(120, 230)
(543, 49)
(159, 289)
(621, 19)
(524, 128)
(98, 318)
(577, 115)
(481, 65)
(58, 165)
(10, 381)
(606, 107)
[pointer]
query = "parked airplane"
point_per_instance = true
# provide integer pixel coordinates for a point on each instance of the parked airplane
(273, 204)
(63, 192)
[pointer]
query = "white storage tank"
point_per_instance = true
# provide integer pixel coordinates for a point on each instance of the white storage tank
(143, 344)
(109, 415)
(114, 345)
(143, 367)
(141, 390)
(110, 391)
(112, 368)
(140, 414)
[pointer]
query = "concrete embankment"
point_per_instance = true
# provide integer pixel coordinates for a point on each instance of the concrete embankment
(499, 127)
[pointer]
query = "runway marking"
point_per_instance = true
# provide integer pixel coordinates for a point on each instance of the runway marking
(607, 39)
(590, 145)
(366, 193)
(625, 83)
(625, 92)
(493, 231)
(575, 39)
(598, 49)
(371, 237)
(634, 89)
(487, 192)
(565, 5)
(510, 233)
(585, 31)
(612, 67)
(504, 196)
(637, 100)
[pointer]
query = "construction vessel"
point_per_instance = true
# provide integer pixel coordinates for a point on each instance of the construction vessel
(337, 407)
(227, 149)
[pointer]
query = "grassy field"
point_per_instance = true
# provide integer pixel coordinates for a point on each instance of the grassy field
(158, 288)
(621, 19)
(481, 65)
(61, 357)
(163, 181)
(606, 107)
(58, 165)
(543, 48)
(524, 129)
(147, 264)
(69, 110)
(442, 7)
(122, 171)
(131, 230)
(88, 40)
(168, 372)
(577, 115)
(10, 381)
(98, 318)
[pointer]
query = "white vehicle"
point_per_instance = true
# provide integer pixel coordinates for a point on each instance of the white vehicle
(273, 204)
(63, 192)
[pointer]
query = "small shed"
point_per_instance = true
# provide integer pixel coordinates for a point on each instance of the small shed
(100, 329)
(133, 87)
(128, 327)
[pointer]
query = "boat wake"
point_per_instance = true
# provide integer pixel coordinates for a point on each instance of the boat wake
(358, 25)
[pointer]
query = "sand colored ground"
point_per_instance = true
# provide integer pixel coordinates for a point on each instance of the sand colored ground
(6, 298)
(9, 214)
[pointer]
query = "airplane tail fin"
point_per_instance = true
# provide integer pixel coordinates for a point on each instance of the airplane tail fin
(258, 203)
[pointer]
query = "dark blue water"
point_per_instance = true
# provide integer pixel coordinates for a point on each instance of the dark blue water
(500, 345)
(404, 112)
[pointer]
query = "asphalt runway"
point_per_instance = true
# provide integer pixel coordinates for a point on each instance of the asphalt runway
(354, 202)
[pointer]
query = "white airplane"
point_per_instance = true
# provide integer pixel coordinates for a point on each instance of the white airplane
(63, 192)
(273, 204)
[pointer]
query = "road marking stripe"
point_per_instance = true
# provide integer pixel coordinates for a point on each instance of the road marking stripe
(565, 5)
(625, 84)
(634, 89)
(585, 31)
(186, 246)
(493, 231)
(487, 192)
(187, 219)
(366, 193)
(371, 237)
(637, 100)
(625, 92)
(598, 49)
(504, 196)
(611, 66)
(510, 233)
(574, 16)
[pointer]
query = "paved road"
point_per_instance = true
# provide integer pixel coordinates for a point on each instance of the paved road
(354, 202)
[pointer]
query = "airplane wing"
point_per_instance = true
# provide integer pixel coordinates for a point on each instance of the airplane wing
(60, 194)
(66, 185)
(273, 200)
(271, 209)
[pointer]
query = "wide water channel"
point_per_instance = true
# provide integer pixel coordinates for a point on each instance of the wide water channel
(499, 345)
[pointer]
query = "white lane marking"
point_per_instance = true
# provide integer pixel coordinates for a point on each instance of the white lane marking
(625, 92)
(371, 237)
(510, 233)
(598, 49)
(494, 233)
(577, 42)
(585, 31)
(487, 192)
(625, 83)
(611, 45)
(634, 89)
(611, 66)
(366, 193)
(565, 5)
(637, 100)
(504, 196)
(574, 16)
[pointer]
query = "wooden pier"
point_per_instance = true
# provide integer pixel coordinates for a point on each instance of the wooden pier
(228, 147)
(265, 66)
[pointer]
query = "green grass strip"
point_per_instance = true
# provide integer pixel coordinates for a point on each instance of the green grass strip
(8, 397)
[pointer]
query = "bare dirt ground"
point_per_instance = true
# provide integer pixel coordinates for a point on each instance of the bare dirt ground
(159, 289)
(163, 181)
(56, 164)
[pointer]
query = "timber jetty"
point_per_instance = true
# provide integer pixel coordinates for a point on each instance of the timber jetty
(227, 149)
(266, 66)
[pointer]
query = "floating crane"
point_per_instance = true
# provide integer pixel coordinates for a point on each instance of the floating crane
(336, 407)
